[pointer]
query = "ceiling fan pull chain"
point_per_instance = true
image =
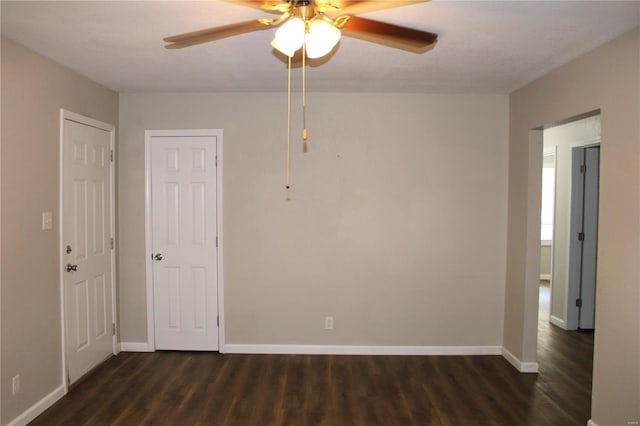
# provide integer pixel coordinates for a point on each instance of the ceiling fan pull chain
(288, 187)
(304, 98)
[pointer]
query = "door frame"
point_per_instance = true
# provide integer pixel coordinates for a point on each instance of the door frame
(148, 136)
(552, 150)
(72, 116)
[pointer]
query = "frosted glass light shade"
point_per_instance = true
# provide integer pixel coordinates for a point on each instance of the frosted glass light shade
(289, 37)
(321, 38)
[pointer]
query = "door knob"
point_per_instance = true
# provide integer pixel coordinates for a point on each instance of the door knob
(71, 268)
(158, 256)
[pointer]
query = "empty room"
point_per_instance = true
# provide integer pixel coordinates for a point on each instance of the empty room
(298, 212)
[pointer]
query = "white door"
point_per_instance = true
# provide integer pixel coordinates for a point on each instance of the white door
(591, 177)
(87, 250)
(183, 216)
(584, 237)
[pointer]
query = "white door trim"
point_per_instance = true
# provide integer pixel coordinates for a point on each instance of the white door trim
(148, 135)
(68, 115)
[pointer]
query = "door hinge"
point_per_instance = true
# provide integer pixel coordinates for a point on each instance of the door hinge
(581, 236)
(113, 328)
(579, 303)
(218, 320)
(216, 161)
(112, 243)
(216, 241)
(111, 156)
(583, 168)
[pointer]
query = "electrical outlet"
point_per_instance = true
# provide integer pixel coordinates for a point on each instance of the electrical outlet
(16, 384)
(328, 323)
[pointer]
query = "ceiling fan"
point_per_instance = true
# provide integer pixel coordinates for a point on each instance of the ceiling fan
(316, 26)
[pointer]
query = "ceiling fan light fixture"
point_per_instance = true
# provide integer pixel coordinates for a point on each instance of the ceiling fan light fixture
(289, 37)
(321, 38)
(306, 23)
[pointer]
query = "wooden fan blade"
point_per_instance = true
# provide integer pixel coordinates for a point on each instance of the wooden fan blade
(355, 7)
(389, 35)
(216, 33)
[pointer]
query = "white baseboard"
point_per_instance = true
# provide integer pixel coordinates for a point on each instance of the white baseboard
(523, 367)
(545, 277)
(135, 347)
(591, 423)
(234, 348)
(361, 350)
(558, 322)
(37, 409)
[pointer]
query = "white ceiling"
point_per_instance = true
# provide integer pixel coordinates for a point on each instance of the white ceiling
(484, 46)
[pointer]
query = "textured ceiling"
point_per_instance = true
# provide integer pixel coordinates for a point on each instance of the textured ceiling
(484, 46)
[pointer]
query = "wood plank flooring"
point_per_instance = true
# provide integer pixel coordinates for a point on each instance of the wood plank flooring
(566, 363)
(191, 388)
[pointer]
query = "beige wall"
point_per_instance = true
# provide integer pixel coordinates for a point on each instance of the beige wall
(33, 91)
(396, 225)
(563, 139)
(606, 78)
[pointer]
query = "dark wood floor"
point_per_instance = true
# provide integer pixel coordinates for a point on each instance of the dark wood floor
(186, 388)
(565, 359)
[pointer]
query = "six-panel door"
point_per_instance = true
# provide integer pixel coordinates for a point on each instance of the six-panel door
(86, 247)
(183, 192)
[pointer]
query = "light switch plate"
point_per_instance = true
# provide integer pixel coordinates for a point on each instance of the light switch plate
(47, 220)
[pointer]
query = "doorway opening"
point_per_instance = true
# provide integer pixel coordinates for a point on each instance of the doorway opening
(569, 201)
(569, 211)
